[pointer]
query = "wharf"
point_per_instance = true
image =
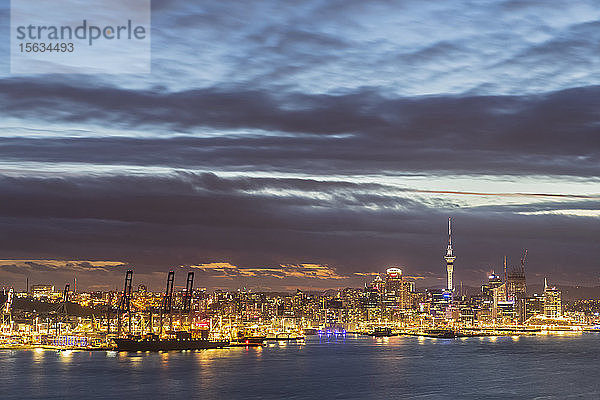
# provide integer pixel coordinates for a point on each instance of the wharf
(246, 344)
(52, 347)
(283, 338)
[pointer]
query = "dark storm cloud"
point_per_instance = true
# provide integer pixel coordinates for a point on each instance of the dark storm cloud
(177, 200)
(155, 223)
(554, 133)
(213, 107)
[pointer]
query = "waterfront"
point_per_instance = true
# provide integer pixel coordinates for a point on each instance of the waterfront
(337, 368)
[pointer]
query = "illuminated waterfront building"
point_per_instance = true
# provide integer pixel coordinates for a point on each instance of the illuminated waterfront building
(490, 296)
(378, 284)
(498, 296)
(505, 312)
(466, 313)
(493, 282)
(517, 288)
(552, 301)
(397, 289)
(440, 302)
(371, 297)
(534, 305)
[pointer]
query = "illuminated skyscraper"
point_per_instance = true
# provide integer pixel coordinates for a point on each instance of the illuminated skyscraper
(552, 301)
(397, 289)
(378, 284)
(449, 258)
(516, 287)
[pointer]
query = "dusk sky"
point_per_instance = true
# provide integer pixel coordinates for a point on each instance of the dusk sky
(278, 145)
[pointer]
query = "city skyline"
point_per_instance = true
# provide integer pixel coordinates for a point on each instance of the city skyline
(231, 277)
(313, 142)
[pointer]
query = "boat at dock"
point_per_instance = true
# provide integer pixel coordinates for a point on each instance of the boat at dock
(154, 343)
(381, 331)
(441, 333)
(256, 339)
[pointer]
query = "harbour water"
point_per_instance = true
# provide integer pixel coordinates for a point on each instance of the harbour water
(536, 367)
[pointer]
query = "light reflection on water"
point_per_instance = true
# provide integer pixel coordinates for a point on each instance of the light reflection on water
(326, 367)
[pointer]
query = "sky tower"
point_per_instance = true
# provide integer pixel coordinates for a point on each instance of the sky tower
(449, 257)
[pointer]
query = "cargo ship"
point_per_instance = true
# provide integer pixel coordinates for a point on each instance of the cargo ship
(257, 339)
(248, 341)
(381, 331)
(442, 333)
(154, 343)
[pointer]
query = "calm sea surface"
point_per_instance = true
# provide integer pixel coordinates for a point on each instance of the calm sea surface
(542, 367)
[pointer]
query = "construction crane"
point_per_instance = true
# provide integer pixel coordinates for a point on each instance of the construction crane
(7, 313)
(167, 302)
(523, 259)
(125, 302)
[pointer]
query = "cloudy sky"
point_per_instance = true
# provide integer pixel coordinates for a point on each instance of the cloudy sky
(311, 144)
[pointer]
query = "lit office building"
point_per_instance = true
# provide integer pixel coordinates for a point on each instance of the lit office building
(517, 288)
(552, 301)
(493, 282)
(398, 291)
(499, 301)
(534, 306)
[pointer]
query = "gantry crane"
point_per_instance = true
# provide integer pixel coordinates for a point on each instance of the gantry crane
(125, 303)
(186, 306)
(167, 302)
(187, 298)
(7, 313)
(60, 312)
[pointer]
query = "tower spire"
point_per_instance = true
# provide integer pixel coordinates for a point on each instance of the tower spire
(449, 250)
(449, 257)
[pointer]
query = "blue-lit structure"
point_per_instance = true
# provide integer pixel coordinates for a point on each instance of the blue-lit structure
(332, 332)
(70, 341)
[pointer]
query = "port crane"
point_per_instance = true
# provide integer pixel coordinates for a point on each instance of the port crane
(60, 312)
(186, 307)
(189, 287)
(167, 302)
(7, 313)
(125, 303)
